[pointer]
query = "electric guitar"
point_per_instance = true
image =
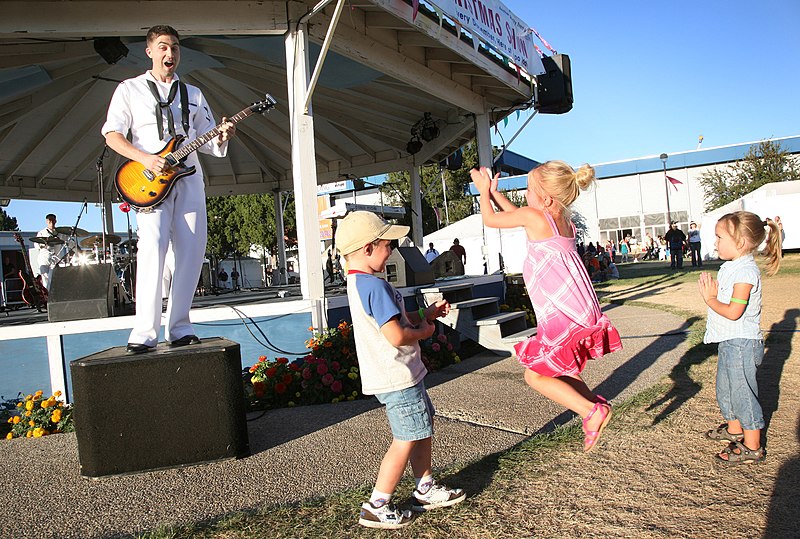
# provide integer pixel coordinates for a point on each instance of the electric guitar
(33, 291)
(144, 189)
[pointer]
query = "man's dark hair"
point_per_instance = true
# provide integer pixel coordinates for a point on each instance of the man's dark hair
(161, 30)
(50, 217)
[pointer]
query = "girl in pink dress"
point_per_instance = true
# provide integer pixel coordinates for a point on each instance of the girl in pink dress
(571, 329)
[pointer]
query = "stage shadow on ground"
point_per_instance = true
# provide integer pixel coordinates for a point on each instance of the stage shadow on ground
(784, 506)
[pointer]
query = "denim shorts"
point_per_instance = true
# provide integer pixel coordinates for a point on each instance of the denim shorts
(410, 413)
(737, 390)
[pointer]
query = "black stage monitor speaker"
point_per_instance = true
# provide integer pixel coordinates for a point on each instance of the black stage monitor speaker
(162, 409)
(407, 267)
(81, 292)
(554, 86)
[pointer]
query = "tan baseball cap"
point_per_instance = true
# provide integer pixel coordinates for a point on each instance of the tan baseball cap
(362, 227)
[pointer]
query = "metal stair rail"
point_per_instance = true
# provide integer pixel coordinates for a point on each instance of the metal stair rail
(478, 319)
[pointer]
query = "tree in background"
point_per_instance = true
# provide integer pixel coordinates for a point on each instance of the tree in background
(397, 189)
(238, 224)
(7, 222)
(765, 162)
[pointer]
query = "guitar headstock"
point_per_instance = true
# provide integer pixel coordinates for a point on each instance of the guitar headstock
(264, 105)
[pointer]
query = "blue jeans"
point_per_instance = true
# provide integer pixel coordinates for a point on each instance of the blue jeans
(737, 390)
(410, 413)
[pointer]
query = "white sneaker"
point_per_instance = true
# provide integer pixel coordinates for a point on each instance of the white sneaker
(385, 516)
(436, 496)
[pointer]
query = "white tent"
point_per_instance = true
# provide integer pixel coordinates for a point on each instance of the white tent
(779, 198)
(483, 244)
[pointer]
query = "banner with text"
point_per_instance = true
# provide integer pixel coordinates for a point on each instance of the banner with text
(503, 31)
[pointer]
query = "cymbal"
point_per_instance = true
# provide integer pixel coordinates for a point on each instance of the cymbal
(68, 231)
(98, 239)
(48, 241)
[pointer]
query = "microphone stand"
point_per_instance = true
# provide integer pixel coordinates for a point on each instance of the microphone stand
(84, 208)
(101, 196)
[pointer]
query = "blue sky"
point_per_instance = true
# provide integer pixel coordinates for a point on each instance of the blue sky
(648, 78)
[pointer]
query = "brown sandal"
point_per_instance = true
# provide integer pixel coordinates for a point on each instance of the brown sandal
(744, 455)
(721, 434)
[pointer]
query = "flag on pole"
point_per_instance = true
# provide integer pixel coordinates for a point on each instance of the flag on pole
(674, 182)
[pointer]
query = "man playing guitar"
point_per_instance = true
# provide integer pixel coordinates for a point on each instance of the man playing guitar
(149, 107)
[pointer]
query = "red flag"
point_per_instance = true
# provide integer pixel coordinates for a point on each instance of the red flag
(414, 10)
(674, 182)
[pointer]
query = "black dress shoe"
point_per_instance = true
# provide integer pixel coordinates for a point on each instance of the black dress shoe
(134, 348)
(184, 341)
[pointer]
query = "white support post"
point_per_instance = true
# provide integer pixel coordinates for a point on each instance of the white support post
(58, 371)
(416, 206)
(283, 278)
(304, 171)
(483, 135)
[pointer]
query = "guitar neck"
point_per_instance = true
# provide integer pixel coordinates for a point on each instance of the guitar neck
(187, 149)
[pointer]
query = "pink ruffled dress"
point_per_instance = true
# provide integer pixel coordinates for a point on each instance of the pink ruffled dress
(571, 327)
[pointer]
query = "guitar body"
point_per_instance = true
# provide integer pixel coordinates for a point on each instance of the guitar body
(141, 188)
(33, 291)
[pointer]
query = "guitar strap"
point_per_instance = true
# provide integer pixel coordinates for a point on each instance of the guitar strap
(165, 105)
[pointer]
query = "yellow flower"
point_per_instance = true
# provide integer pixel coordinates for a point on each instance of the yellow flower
(45, 403)
(29, 434)
(39, 393)
(29, 405)
(9, 436)
(28, 413)
(17, 419)
(38, 432)
(29, 397)
(20, 404)
(57, 394)
(10, 420)
(56, 417)
(31, 423)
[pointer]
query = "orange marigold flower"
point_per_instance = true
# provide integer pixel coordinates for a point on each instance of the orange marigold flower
(56, 417)
(9, 436)
(31, 423)
(39, 393)
(38, 432)
(17, 419)
(29, 405)
(57, 394)
(28, 413)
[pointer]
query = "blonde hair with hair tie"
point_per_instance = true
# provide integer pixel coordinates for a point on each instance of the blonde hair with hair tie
(747, 226)
(560, 182)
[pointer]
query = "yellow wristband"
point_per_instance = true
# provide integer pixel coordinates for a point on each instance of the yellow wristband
(421, 313)
(737, 300)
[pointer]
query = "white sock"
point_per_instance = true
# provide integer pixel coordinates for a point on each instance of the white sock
(425, 482)
(379, 499)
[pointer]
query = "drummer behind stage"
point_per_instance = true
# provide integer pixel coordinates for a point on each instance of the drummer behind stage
(181, 217)
(47, 252)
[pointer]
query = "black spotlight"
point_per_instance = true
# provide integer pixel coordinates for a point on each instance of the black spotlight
(111, 49)
(428, 129)
(414, 145)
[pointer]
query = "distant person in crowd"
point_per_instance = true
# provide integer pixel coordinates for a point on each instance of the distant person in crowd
(694, 244)
(329, 267)
(591, 249)
(337, 270)
(783, 234)
(675, 238)
(47, 253)
(662, 248)
(390, 362)
(734, 321)
(623, 250)
(650, 247)
(222, 276)
(572, 329)
(613, 270)
(431, 253)
(235, 278)
(459, 250)
(581, 249)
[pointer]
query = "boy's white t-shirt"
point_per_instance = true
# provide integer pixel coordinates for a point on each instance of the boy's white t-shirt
(383, 366)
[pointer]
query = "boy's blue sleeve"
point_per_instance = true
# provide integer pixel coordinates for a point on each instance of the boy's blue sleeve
(377, 298)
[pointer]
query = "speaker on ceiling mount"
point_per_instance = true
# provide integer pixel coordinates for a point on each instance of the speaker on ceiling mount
(554, 86)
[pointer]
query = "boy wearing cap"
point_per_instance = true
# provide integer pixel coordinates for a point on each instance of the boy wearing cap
(387, 342)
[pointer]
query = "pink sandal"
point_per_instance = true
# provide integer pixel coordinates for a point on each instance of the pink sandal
(591, 436)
